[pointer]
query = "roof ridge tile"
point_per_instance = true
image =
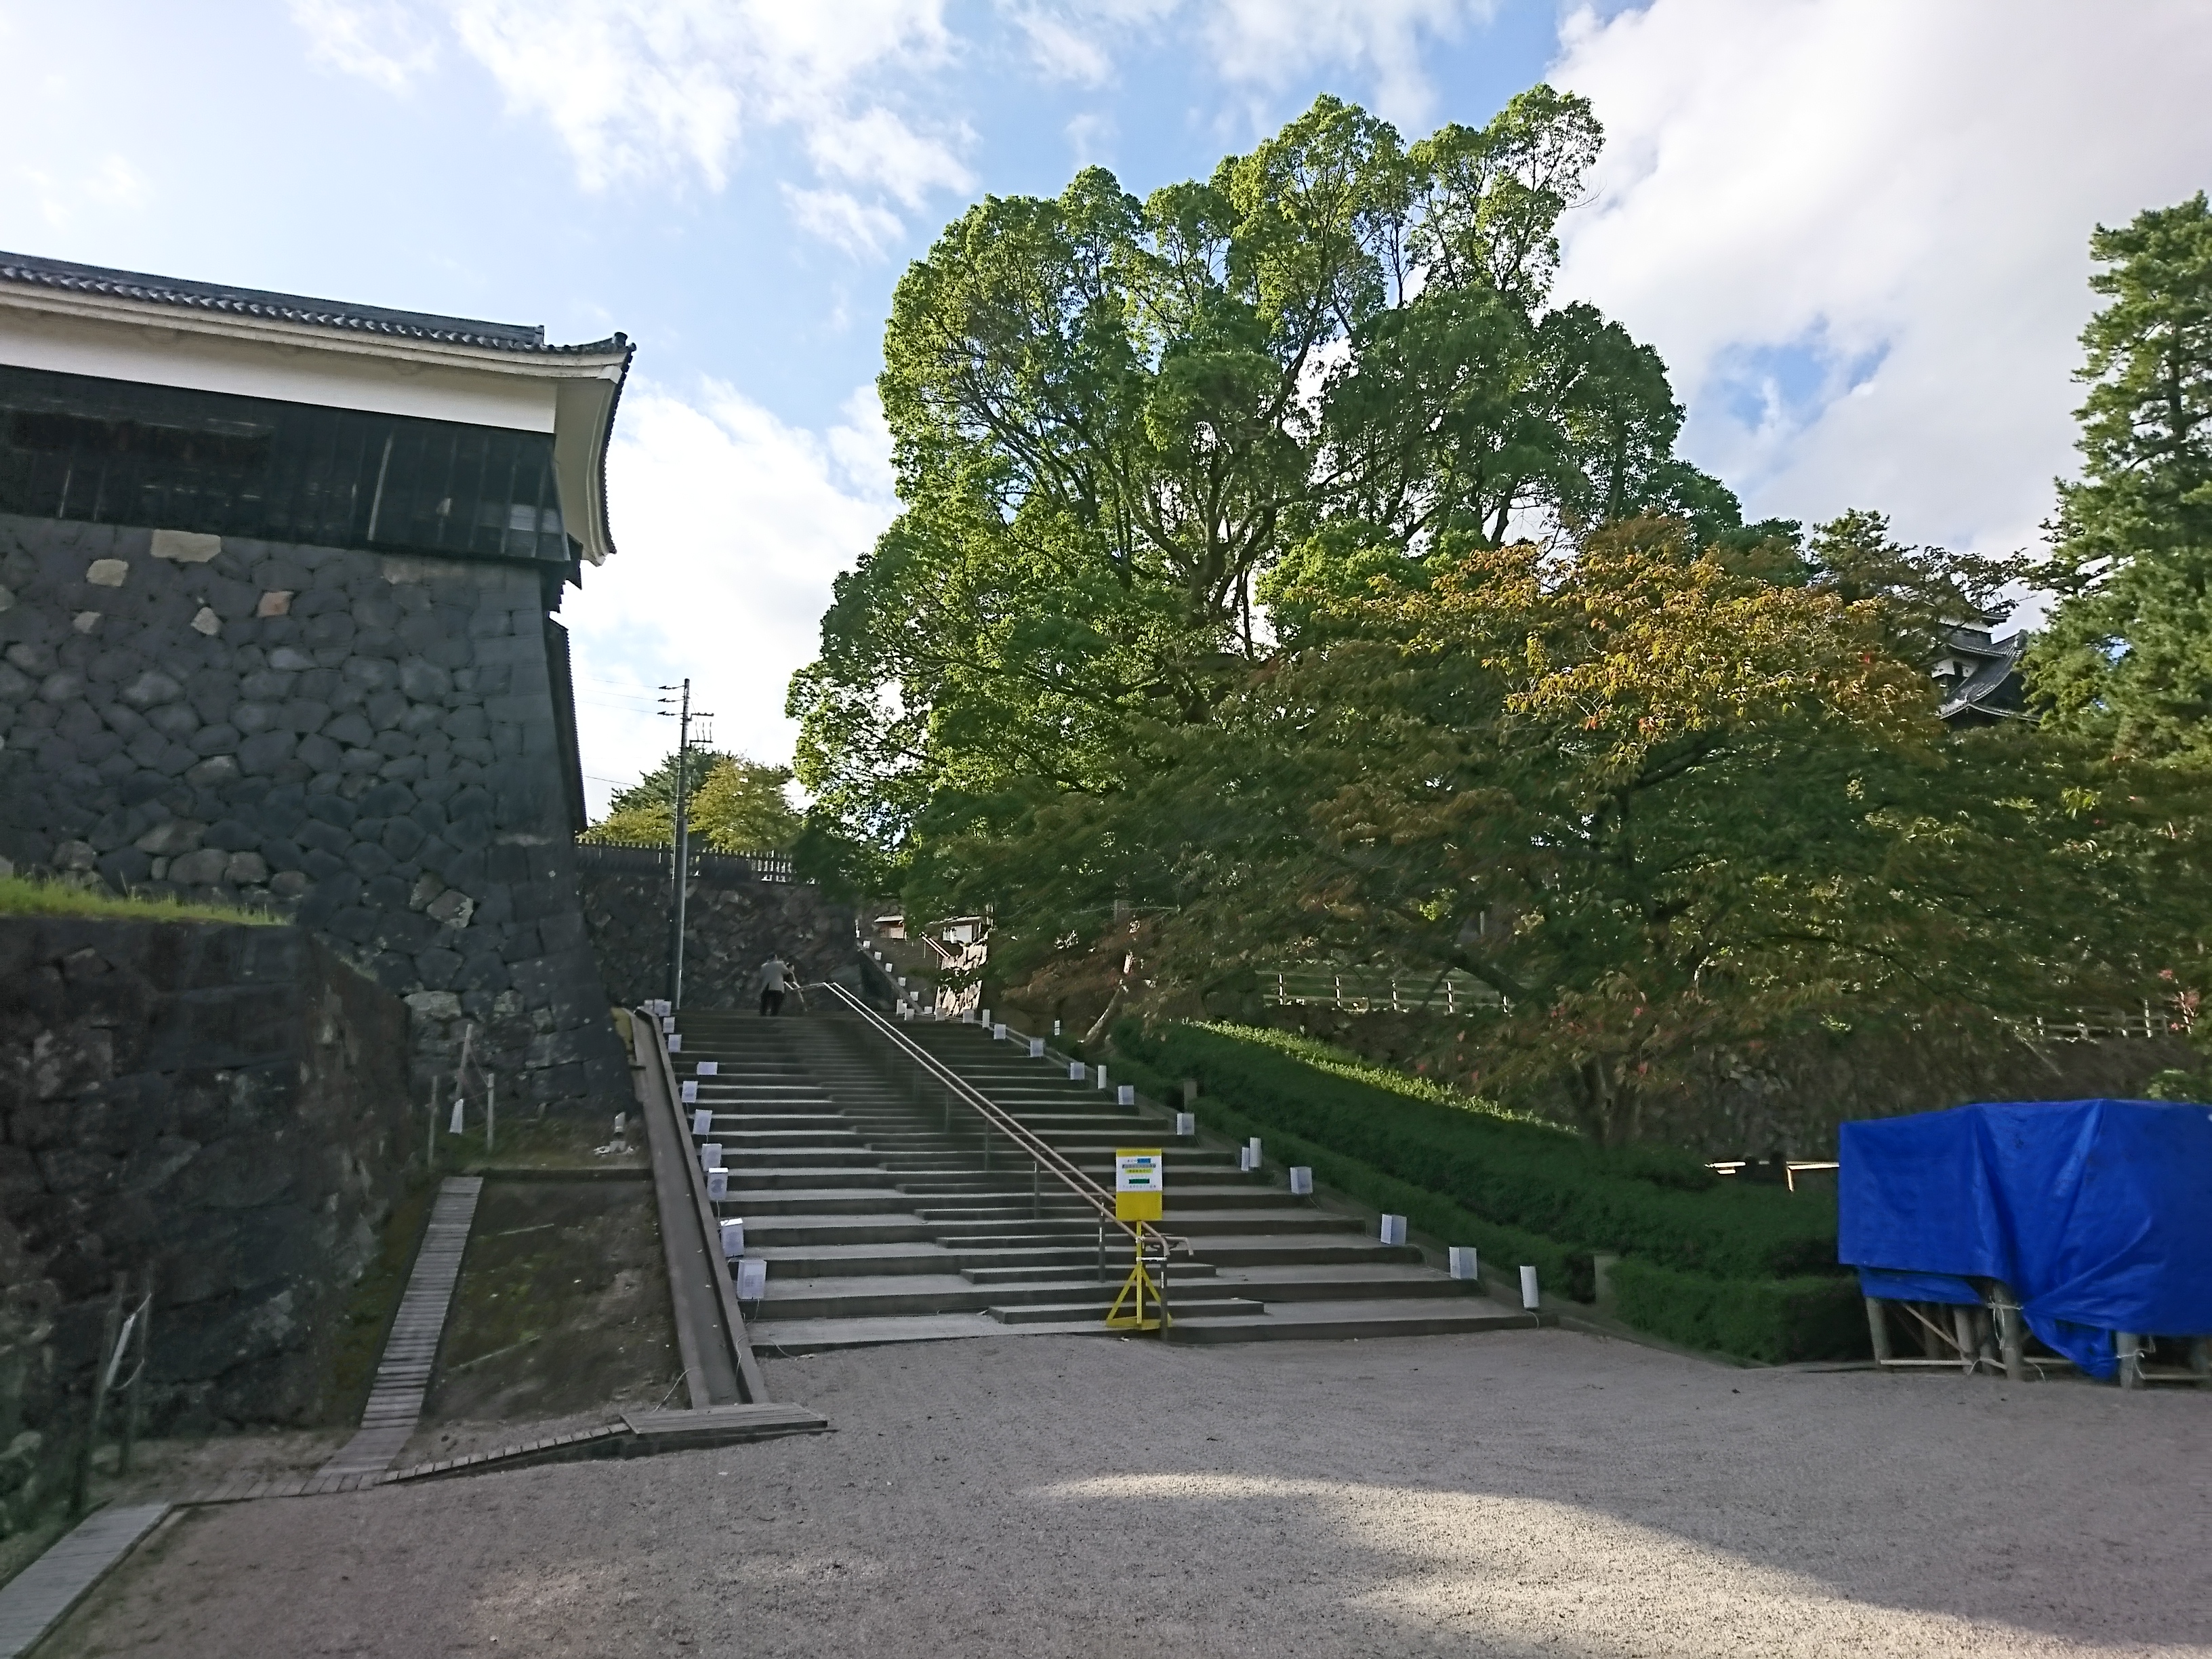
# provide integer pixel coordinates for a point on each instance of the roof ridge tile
(33, 270)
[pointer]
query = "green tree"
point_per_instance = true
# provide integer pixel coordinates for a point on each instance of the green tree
(742, 807)
(1655, 801)
(733, 806)
(2127, 653)
(1112, 418)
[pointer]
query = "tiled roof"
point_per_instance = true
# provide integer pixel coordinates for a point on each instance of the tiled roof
(34, 271)
(1986, 689)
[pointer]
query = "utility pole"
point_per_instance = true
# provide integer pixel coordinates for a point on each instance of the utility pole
(683, 716)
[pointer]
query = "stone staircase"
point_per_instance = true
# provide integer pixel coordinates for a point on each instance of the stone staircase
(884, 1214)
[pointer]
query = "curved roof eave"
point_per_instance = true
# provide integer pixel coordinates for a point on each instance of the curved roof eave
(584, 426)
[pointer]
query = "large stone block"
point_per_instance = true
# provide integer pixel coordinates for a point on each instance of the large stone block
(263, 751)
(328, 679)
(252, 1186)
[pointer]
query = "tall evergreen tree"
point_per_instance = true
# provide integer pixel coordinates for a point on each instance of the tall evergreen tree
(2127, 655)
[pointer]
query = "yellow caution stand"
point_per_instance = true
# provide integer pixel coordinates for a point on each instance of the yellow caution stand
(1139, 1196)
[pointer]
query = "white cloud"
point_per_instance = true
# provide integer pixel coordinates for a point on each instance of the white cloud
(1065, 53)
(1274, 43)
(876, 147)
(379, 40)
(1074, 39)
(117, 184)
(861, 229)
(669, 89)
(113, 183)
(1090, 137)
(1857, 230)
(731, 526)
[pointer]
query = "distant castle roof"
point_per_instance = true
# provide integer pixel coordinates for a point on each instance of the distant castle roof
(1984, 684)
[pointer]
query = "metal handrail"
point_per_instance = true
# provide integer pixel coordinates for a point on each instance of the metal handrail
(1042, 1152)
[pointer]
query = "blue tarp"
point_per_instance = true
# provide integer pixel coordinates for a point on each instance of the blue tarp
(2098, 1214)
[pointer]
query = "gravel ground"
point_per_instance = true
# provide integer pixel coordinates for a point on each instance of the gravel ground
(1525, 1492)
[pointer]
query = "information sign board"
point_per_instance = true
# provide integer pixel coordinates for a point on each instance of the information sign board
(1139, 1181)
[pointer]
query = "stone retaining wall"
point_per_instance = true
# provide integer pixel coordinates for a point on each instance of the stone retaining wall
(225, 1104)
(369, 742)
(732, 924)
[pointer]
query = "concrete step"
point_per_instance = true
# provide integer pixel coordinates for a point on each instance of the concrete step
(816, 1201)
(805, 1336)
(874, 1296)
(810, 1231)
(1339, 1320)
(1064, 1257)
(1041, 1228)
(1284, 1223)
(811, 1174)
(1193, 1298)
(1047, 1274)
(1249, 1250)
(855, 1155)
(787, 1122)
(839, 1261)
(1345, 1282)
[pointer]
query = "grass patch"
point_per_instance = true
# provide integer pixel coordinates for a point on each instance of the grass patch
(526, 1141)
(26, 896)
(1353, 1068)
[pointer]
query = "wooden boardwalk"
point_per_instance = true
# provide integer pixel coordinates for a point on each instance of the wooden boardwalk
(34, 1600)
(403, 1375)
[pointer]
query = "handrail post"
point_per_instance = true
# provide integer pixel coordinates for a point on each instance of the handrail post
(1036, 1189)
(1102, 1251)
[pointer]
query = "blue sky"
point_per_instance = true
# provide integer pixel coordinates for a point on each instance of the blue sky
(1856, 229)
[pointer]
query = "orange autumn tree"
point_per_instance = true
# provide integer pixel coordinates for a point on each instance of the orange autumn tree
(1658, 797)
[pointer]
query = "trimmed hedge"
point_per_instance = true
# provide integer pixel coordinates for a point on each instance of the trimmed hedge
(1775, 1320)
(1468, 1176)
(1663, 1206)
(1564, 1269)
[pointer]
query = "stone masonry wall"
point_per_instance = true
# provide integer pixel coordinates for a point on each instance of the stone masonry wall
(365, 741)
(731, 926)
(225, 1104)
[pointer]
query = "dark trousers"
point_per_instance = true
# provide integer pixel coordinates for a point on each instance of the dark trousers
(771, 1002)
